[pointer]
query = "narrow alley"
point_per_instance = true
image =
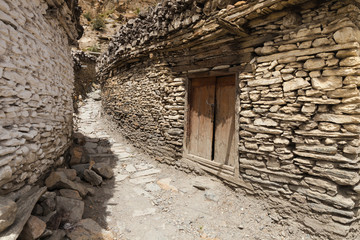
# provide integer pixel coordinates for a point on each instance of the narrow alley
(179, 119)
(153, 201)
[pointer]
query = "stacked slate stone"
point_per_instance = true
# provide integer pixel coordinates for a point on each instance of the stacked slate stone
(150, 110)
(300, 119)
(165, 18)
(36, 75)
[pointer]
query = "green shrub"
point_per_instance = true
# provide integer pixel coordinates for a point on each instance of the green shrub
(87, 15)
(98, 24)
(94, 48)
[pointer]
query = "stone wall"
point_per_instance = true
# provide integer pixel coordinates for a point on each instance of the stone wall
(298, 72)
(36, 75)
(300, 123)
(150, 110)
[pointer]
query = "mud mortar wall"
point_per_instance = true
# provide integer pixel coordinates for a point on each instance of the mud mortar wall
(148, 104)
(36, 75)
(299, 95)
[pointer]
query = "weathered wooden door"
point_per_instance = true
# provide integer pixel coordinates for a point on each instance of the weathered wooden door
(202, 117)
(212, 119)
(224, 139)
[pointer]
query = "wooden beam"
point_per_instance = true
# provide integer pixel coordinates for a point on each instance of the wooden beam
(231, 27)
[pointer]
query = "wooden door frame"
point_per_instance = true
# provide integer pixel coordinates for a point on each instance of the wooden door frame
(228, 173)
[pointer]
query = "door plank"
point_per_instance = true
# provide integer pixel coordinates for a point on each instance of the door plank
(201, 116)
(224, 142)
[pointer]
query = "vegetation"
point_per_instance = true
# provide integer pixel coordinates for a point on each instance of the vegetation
(94, 48)
(98, 23)
(88, 16)
(107, 13)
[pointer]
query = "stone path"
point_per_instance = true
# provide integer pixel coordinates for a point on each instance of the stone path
(152, 201)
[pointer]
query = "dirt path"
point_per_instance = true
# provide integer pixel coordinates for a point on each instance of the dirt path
(152, 201)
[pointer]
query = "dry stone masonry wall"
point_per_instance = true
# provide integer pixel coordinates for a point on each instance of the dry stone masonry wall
(297, 66)
(36, 76)
(299, 115)
(150, 109)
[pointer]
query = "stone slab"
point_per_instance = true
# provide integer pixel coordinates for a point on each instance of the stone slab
(25, 205)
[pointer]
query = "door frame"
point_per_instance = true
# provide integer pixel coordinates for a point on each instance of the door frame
(228, 173)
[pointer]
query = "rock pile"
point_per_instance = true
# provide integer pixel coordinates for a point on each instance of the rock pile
(57, 210)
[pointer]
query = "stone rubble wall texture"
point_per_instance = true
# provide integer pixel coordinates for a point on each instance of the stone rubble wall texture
(150, 109)
(36, 76)
(299, 79)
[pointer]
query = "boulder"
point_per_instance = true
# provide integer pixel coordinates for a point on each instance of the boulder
(70, 173)
(33, 229)
(69, 193)
(54, 219)
(72, 209)
(8, 210)
(92, 177)
(79, 168)
(58, 180)
(48, 205)
(103, 170)
(88, 229)
(25, 205)
(76, 153)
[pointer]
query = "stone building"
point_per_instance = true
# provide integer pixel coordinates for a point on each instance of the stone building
(262, 93)
(36, 85)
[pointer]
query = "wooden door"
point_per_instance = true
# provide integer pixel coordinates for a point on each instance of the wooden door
(212, 120)
(224, 139)
(201, 125)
